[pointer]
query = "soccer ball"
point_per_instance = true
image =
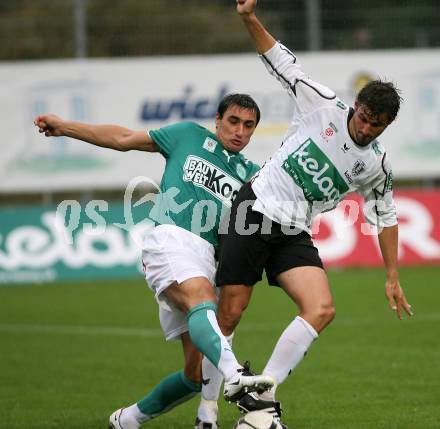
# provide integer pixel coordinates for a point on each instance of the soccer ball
(257, 420)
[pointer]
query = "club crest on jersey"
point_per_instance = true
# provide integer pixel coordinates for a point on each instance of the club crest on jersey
(241, 171)
(359, 167)
(209, 144)
(208, 176)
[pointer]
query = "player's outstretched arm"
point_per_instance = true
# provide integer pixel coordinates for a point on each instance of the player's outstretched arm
(388, 239)
(108, 136)
(261, 37)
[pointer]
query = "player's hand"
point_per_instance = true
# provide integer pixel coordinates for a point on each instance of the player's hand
(396, 298)
(50, 125)
(246, 7)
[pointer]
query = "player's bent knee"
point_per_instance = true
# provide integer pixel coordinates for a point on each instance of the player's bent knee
(320, 316)
(231, 308)
(326, 314)
(229, 321)
(330, 313)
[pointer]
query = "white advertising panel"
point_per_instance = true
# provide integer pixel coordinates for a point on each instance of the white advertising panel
(147, 93)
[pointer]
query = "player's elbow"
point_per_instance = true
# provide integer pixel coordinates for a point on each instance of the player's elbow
(123, 143)
(135, 140)
(121, 148)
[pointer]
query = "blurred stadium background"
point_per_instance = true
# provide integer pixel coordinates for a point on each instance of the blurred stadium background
(144, 64)
(107, 28)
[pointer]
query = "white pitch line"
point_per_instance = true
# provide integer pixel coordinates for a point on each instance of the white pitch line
(150, 333)
(81, 330)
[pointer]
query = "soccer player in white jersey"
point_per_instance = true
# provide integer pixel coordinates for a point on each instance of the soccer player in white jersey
(329, 151)
(178, 257)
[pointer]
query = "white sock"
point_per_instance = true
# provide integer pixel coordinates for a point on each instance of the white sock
(289, 351)
(212, 380)
(132, 415)
(228, 364)
(208, 411)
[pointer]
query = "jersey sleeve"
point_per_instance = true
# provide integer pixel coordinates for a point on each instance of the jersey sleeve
(379, 207)
(167, 138)
(306, 93)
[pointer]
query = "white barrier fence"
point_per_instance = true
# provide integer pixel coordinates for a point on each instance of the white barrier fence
(151, 92)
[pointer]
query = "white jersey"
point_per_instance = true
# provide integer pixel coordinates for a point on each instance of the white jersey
(318, 162)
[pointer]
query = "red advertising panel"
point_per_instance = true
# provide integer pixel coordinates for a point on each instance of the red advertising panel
(344, 238)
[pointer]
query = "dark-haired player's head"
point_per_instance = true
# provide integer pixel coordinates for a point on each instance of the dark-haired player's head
(235, 122)
(380, 98)
(244, 101)
(377, 105)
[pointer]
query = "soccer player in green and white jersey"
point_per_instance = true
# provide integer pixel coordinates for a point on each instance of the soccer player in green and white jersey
(328, 151)
(203, 173)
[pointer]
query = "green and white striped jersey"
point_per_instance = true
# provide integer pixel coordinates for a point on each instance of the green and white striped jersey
(318, 163)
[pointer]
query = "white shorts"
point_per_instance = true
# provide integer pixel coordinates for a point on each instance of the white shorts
(173, 254)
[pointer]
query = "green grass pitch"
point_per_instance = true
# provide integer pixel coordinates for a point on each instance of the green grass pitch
(70, 354)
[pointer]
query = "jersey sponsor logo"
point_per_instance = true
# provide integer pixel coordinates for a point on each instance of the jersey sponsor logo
(211, 178)
(209, 144)
(314, 173)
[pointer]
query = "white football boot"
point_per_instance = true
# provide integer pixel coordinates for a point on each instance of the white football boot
(251, 402)
(116, 423)
(244, 382)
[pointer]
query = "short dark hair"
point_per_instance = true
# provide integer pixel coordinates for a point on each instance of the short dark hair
(380, 97)
(244, 101)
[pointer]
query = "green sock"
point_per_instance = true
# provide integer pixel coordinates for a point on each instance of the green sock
(207, 337)
(202, 333)
(170, 392)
